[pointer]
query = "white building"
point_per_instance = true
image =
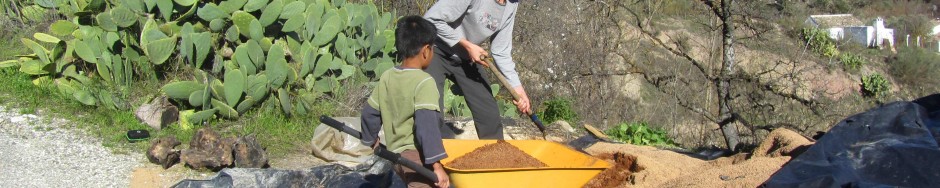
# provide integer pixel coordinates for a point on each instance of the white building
(847, 26)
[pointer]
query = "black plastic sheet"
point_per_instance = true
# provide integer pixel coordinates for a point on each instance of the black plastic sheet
(376, 173)
(895, 145)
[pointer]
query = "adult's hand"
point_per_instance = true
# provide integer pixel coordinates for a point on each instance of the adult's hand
(523, 102)
(476, 52)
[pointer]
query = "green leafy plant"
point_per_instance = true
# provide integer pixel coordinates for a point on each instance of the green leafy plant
(104, 46)
(851, 62)
(640, 133)
(875, 85)
(917, 68)
(558, 109)
(506, 107)
(454, 102)
(819, 41)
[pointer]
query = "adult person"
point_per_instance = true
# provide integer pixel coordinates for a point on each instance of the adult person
(462, 26)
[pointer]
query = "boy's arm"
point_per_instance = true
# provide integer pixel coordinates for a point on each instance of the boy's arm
(371, 124)
(428, 135)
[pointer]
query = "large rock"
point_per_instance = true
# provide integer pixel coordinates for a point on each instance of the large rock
(227, 145)
(207, 150)
(249, 153)
(205, 139)
(162, 152)
(564, 125)
(158, 114)
(202, 159)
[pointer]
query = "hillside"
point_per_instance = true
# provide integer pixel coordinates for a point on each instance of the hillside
(603, 63)
(267, 70)
(649, 61)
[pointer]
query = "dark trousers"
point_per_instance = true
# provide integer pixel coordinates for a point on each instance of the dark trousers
(476, 89)
(409, 176)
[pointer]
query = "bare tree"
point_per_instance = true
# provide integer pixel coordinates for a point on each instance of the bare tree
(722, 9)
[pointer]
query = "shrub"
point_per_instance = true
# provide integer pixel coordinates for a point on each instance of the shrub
(640, 133)
(819, 41)
(454, 101)
(916, 67)
(875, 85)
(558, 109)
(851, 62)
(283, 53)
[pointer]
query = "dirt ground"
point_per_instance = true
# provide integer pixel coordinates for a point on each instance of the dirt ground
(643, 166)
(664, 168)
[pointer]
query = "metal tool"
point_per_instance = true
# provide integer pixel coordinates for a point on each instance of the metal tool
(381, 150)
(516, 96)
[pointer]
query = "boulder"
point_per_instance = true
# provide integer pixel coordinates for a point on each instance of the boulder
(205, 139)
(208, 150)
(201, 159)
(564, 126)
(249, 153)
(227, 145)
(162, 152)
(158, 114)
(171, 159)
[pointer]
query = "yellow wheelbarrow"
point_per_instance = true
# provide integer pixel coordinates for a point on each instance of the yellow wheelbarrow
(565, 167)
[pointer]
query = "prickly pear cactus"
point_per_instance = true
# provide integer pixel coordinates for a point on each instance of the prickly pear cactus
(242, 52)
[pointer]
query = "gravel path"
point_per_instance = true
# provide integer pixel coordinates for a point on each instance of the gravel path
(45, 152)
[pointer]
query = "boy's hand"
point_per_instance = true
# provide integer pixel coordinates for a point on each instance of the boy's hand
(377, 142)
(476, 52)
(442, 179)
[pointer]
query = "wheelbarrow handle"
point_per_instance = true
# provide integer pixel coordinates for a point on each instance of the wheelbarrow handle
(340, 126)
(381, 150)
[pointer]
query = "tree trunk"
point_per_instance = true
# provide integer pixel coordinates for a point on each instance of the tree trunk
(724, 80)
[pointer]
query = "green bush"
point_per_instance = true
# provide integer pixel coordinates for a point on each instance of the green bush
(819, 41)
(454, 102)
(916, 67)
(233, 55)
(875, 85)
(851, 62)
(640, 133)
(558, 109)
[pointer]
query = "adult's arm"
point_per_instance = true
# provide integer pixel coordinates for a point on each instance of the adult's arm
(501, 47)
(444, 12)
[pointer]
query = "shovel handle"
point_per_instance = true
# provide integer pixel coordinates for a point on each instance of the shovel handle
(381, 150)
(502, 79)
(516, 96)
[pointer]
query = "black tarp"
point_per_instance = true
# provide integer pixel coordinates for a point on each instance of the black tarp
(895, 145)
(375, 173)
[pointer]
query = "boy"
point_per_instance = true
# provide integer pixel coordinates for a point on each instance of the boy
(405, 105)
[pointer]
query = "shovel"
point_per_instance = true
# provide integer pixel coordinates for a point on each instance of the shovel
(381, 150)
(505, 84)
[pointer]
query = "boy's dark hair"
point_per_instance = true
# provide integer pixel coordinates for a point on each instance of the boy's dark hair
(413, 32)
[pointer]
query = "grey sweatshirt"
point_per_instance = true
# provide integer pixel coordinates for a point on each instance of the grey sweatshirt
(477, 21)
